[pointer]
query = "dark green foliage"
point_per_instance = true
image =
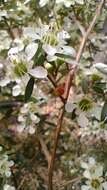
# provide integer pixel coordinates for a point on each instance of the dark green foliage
(29, 89)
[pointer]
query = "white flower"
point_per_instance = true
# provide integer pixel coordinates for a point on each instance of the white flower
(42, 30)
(34, 118)
(19, 44)
(4, 82)
(21, 118)
(16, 90)
(63, 35)
(82, 120)
(1, 65)
(3, 14)
(66, 3)
(93, 172)
(50, 50)
(38, 72)
(69, 107)
(5, 166)
(42, 3)
(8, 187)
(101, 67)
(66, 50)
(13, 50)
(27, 1)
(24, 109)
(27, 119)
(30, 50)
(20, 128)
(30, 33)
(79, 2)
(60, 48)
(95, 184)
(31, 130)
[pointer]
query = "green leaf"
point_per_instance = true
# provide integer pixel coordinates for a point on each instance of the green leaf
(104, 111)
(99, 87)
(84, 85)
(39, 57)
(29, 89)
(8, 104)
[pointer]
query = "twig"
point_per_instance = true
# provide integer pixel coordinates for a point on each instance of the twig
(44, 148)
(81, 28)
(67, 89)
(10, 31)
(14, 179)
(71, 181)
(50, 77)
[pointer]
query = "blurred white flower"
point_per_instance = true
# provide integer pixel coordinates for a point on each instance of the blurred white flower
(66, 3)
(5, 166)
(69, 107)
(63, 35)
(27, 119)
(4, 82)
(31, 130)
(3, 13)
(82, 120)
(8, 187)
(29, 33)
(101, 67)
(20, 128)
(16, 90)
(42, 3)
(34, 118)
(66, 50)
(92, 169)
(94, 173)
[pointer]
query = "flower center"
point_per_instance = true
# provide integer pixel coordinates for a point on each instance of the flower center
(85, 104)
(95, 183)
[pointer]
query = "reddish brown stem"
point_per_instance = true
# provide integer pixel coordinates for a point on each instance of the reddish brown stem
(67, 89)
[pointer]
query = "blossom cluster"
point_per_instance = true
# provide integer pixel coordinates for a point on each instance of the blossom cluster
(94, 175)
(5, 168)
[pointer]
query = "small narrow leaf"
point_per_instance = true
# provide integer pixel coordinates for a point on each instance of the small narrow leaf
(29, 89)
(104, 111)
(8, 104)
(84, 85)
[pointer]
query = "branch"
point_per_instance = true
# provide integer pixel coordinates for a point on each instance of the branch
(67, 89)
(10, 31)
(44, 148)
(51, 79)
(81, 28)
(71, 181)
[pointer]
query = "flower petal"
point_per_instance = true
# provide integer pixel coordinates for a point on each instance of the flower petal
(50, 50)
(38, 72)
(69, 107)
(104, 185)
(82, 120)
(85, 187)
(31, 50)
